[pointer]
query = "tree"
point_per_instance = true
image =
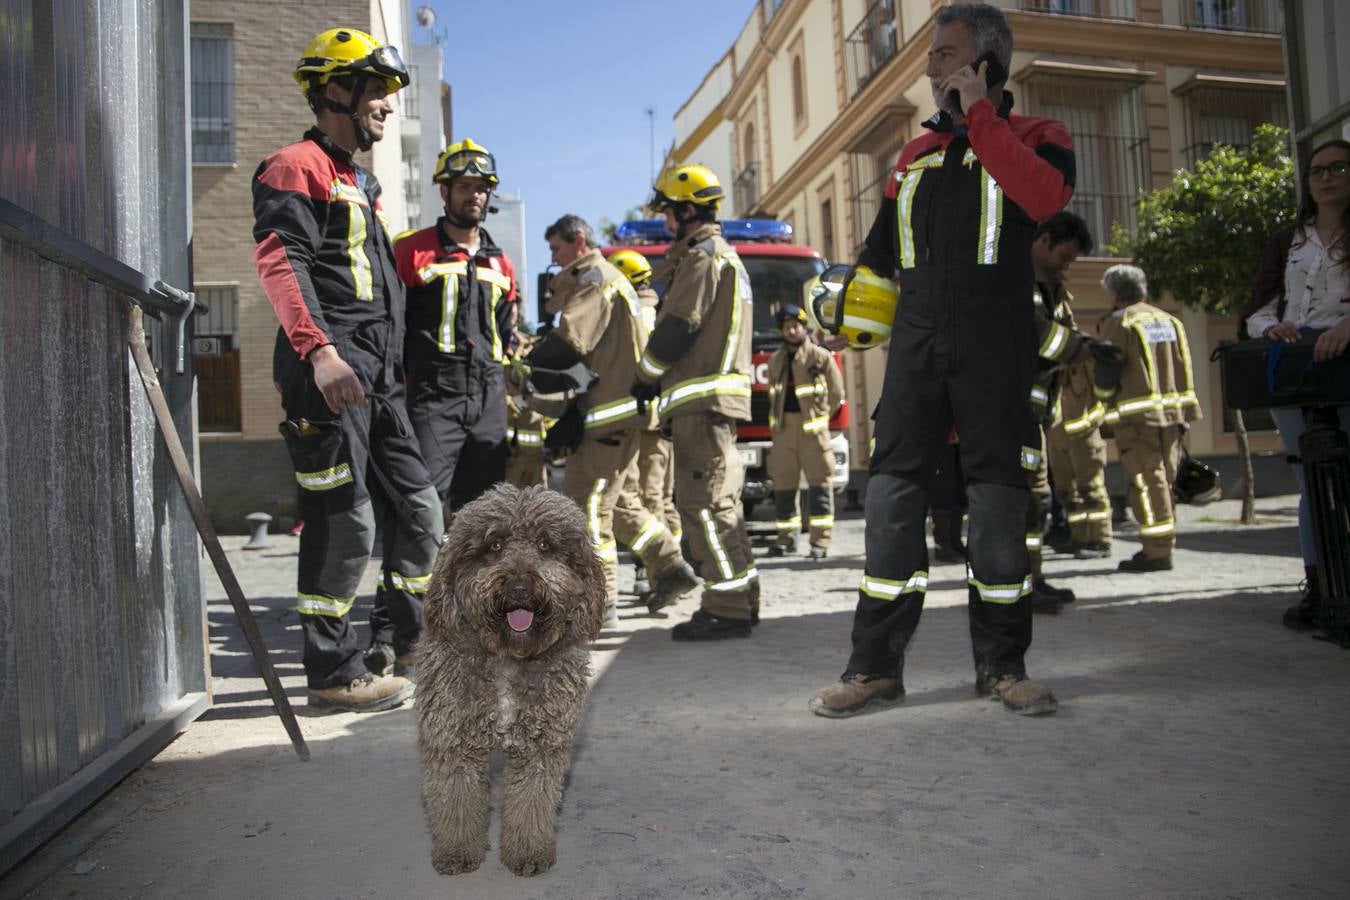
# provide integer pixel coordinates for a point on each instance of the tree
(608, 228)
(1201, 237)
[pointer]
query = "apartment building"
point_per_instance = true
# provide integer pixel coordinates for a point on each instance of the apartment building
(809, 108)
(245, 105)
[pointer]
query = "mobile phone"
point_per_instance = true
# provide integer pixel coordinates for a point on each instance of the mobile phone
(992, 76)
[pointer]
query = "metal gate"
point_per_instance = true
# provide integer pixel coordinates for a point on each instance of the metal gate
(102, 618)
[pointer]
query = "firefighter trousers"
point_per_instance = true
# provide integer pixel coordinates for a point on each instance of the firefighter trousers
(708, 481)
(1078, 475)
(597, 479)
(795, 453)
(930, 384)
(458, 409)
(656, 479)
(1038, 507)
(1149, 455)
(355, 471)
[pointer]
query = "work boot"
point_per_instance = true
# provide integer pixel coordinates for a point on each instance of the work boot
(1018, 693)
(369, 693)
(1038, 583)
(640, 583)
(786, 548)
(1303, 615)
(707, 627)
(405, 666)
(1060, 540)
(856, 695)
(1044, 603)
(380, 659)
(1141, 563)
(1092, 551)
(819, 553)
(671, 585)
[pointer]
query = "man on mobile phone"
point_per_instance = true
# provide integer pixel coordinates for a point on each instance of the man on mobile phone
(956, 228)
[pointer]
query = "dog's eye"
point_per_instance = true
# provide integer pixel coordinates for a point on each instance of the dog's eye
(545, 546)
(495, 547)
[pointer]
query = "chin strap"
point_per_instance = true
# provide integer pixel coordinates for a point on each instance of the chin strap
(364, 139)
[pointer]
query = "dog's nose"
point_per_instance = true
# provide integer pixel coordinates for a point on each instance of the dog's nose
(517, 589)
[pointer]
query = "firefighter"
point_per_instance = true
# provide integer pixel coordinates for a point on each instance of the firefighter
(1150, 398)
(805, 390)
(600, 325)
(461, 308)
(697, 367)
(656, 477)
(956, 226)
(324, 259)
(1059, 241)
(526, 464)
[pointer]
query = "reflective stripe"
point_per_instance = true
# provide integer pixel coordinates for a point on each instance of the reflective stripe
(450, 272)
(1087, 421)
(493, 301)
(593, 512)
(991, 218)
(788, 524)
(731, 385)
(904, 205)
(888, 589)
(319, 605)
(1031, 459)
(648, 533)
(607, 551)
(1034, 541)
(821, 521)
(1143, 500)
(621, 288)
(740, 295)
(613, 411)
(719, 552)
(819, 423)
(1040, 396)
(649, 366)
(998, 593)
(413, 584)
(814, 389)
(326, 479)
(738, 582)
(356, 249)
(530, 438)
(493, 277)
(1056, 339)
(1160, 529)
(1076, 517)
(1099, 515)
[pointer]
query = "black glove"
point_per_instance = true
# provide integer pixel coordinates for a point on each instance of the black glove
(1109, 362)
(644, 393)
(567, 432)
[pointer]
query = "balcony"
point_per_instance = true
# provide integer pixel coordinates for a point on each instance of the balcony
(869, 45)
(1093, 9)
(745, 189)
(1261, 16)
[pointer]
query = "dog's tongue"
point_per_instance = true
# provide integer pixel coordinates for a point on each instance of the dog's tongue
(520, 619)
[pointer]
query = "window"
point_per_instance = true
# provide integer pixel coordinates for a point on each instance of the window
(1101, 9)
(827, 229)
(869, 45)
(215, 358)
(746, 186)
(212, 49)
(1216, 115)
(798, 91)
(1234, 15)
(1110, 142)
(410, 96)
(870, 171)
(412, 187)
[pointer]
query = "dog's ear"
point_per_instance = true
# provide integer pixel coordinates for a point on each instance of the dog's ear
(439, 609)
(591, 608)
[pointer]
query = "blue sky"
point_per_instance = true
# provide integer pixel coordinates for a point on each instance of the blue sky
(557, 91)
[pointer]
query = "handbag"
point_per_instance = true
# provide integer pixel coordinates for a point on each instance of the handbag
(1260, 373)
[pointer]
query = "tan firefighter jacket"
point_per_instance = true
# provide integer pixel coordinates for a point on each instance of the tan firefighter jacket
(525, 426)
(599, 316)
(699, 351)
(1155, 386)
(1059, 340)
(816, 381)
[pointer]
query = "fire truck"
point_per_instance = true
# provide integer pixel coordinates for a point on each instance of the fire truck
(779, 271)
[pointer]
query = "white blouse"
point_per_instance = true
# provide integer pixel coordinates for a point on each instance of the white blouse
(1316, 289)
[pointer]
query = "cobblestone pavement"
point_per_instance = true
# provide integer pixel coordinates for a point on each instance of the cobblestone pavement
(1196, 754)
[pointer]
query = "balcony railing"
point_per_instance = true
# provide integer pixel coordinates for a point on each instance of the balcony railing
(1265, 16)
(746, 189)
(1095, 9)
(869, 45)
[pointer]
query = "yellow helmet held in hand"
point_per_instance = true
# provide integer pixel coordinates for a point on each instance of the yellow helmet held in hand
(346, 51)
(466, 159)
(634, 266)
(687, 184)
(854, 302)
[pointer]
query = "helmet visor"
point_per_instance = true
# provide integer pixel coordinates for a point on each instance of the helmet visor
(471, 163)
(385, 60)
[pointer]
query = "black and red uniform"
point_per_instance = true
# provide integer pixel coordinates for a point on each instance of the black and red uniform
(956, 228)
(460, 311)
(324, 259)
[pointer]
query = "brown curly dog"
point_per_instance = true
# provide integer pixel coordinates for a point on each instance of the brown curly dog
(517, 595)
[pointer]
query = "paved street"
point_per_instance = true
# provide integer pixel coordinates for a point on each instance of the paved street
(1196, 754)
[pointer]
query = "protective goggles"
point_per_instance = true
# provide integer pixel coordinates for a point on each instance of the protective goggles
(471, 164)
(385, 62)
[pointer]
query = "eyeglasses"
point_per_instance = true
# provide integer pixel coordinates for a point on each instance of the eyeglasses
(1336, 170)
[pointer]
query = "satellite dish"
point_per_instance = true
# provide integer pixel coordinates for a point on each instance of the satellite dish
(426, 16)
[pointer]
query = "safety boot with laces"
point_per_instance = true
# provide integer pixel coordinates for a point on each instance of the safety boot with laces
(855, 695)
(670, 586)
(1018, 693)
(380, 659)
(368, 693)
(704, 626)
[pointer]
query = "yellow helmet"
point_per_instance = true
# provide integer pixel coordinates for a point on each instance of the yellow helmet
(346, 51)
(687, 184)
(466, 159)
(634, 266)
(866, 312)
